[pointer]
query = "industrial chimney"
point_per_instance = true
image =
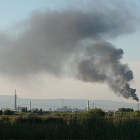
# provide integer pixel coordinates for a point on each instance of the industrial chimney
(15, 101)
(88, 105)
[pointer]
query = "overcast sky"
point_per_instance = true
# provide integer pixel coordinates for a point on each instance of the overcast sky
(38, 39)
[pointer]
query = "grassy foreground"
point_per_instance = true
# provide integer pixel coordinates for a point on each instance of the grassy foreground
(35, 127)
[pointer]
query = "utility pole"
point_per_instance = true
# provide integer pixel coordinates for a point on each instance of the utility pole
(54, 108)
(15, 101)
(93, 106)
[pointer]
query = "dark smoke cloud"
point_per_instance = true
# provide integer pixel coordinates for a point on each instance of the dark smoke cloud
(102, 65)
(53, 38)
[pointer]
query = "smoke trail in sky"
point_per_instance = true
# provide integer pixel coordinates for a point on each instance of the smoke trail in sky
(101, 64)
(53, 38)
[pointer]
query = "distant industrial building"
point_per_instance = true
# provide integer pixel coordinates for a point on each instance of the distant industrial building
(64, 109)
(15, 103)
(20, 109)
(79, 110)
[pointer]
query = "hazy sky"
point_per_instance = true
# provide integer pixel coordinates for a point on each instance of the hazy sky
(25, 26)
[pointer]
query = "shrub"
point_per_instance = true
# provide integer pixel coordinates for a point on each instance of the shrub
(8, 112)
(1, 112)
(20, 120)
(95, 112)
(51, 120)
(34, 119)
(137, 113)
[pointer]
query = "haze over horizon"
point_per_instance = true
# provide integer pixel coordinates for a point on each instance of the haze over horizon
(70, 50)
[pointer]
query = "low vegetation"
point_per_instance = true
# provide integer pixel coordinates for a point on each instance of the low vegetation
(87, 125)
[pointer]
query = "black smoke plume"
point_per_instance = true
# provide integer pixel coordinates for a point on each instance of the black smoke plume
(101, 64)
(58, 42)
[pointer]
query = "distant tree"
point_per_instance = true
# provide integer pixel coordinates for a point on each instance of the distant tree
(1, 112)
(110, 113)
(47, 112)
(23, 110)
(95, 112)
(125, 110)
(40, 112)
(35, 111)
(8, 112)
(121, 109)
(130, 110)
(136, 113)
